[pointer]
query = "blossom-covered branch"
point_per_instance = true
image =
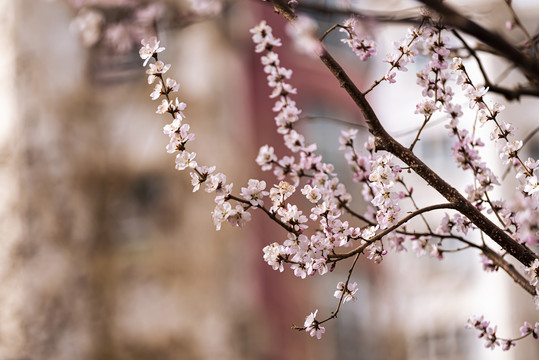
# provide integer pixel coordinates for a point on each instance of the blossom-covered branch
(328, 232)
(492, 340)
(384, 141)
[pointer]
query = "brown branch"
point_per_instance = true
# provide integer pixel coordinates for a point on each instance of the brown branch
(509, 94)
(344, 290)
(385, 232)
(517, 22)
(344, 293)
(271, 215)
(381, 17)
(282, 8)
(473, 53)
(508, 268)
(385, 142)
(495, 42)
(514, 93)
(504, 48)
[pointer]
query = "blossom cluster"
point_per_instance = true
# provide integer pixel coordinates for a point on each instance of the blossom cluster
(432, 78)
(346, 291)
(179, 133)
(488, 332)
(528, 329)
(502, 133)
(360, 44)
(438, 96)
(306, 254)
(407, 51)
(383, 178)
(313, 327)
(378, 173)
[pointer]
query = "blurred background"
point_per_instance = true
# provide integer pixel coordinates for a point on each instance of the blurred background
(106, 253)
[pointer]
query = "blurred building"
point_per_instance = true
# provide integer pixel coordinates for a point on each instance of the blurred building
(106, 253)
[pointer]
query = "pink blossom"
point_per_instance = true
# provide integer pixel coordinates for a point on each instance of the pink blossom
(533, 273)
(185, 159)
(254, 192)
(349, 293)
(312, 326)
(488, 264)
(272, 255)
(266, 157)
(475, 96)
(239, 216)
(263, 37)
(311, 193)
(360, 44)
(376, 252)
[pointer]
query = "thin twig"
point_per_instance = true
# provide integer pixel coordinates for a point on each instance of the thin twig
(524, 141)
(336, 311)
(385, 232)
(518, 23)
(474, 54)
(416, 139)
(269, 213)
(503, 47)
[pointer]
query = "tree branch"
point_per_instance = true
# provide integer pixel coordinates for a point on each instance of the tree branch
(509, 269)
(381, 17)
(381, 234)
(515, 93)
(452, 18)
(384, 141)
